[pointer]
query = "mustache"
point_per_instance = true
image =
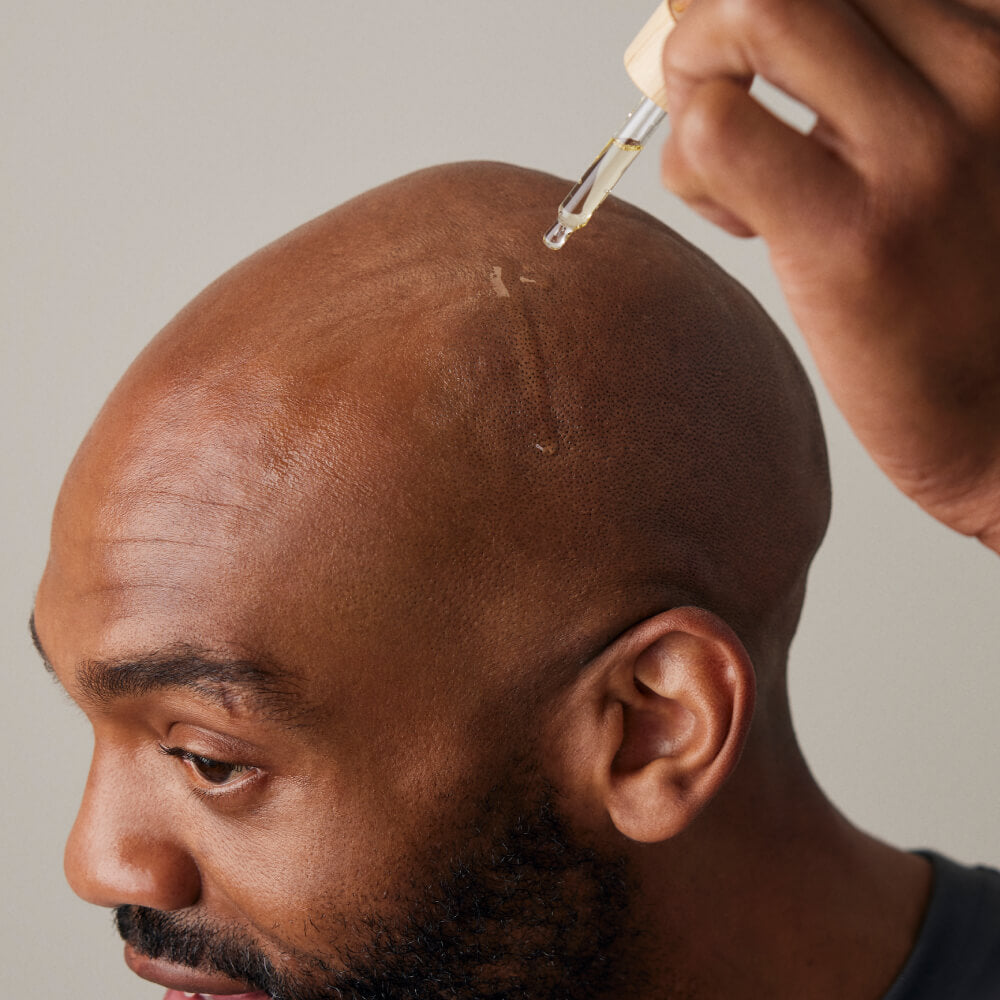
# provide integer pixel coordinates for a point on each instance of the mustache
(532, 914)
(197, 946)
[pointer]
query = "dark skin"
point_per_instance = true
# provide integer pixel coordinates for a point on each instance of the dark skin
(883, 223)
(440, 535)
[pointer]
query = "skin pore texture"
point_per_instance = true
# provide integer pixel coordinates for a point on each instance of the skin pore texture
(430, 596)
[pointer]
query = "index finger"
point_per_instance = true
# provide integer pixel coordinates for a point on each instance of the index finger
(824, 53)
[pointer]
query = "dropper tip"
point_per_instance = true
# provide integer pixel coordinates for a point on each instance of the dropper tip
(555, 238)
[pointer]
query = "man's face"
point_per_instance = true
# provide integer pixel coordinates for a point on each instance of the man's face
(303, 781)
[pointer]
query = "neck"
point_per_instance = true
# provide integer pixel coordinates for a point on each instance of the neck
(773, 893)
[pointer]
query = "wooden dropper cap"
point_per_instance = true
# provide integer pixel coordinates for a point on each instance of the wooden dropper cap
(644, 57)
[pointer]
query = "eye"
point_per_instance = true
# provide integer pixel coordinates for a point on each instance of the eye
(215, 772)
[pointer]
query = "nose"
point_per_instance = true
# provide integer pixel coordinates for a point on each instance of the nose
(122, 849)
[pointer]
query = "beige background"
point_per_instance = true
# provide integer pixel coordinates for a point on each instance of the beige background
(149, 146)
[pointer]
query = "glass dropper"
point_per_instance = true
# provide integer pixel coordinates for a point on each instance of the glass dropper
(644, 64)
(605, 172)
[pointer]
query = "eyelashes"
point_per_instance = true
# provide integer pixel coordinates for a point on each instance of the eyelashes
(213, 777)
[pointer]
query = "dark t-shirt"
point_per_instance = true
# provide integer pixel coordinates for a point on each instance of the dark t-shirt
(957, 954)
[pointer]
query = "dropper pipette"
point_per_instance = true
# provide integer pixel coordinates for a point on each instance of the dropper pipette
(642, 60)
(605, 172)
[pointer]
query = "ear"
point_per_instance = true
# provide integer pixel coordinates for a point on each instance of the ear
(664, 713)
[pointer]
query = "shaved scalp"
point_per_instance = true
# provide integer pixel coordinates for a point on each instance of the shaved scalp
(519, 451)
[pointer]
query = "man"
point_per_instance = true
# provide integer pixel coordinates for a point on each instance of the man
(422, 586)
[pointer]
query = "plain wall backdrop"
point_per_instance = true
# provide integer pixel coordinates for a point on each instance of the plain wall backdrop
(147, 147)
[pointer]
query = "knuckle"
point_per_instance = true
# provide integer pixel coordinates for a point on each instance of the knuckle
(765, 26)
(933, 144)
(774, 17)
(707, 121)
(923, 161)
(943, 163)
(983, 80)
(988, 39)
(752, 12)
(738, 11)
(932, 171)
(981, 28)
(971, 73)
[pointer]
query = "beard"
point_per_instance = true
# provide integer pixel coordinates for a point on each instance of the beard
(532, 915)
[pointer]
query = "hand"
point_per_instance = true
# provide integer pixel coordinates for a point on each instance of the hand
(883, 223)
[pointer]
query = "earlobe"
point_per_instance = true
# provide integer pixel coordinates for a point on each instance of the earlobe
(685, 689)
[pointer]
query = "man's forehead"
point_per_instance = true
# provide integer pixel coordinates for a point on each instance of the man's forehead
(215, 467)
(209, 537)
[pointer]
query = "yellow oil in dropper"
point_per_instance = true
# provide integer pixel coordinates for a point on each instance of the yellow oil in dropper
(642, 60)
(604, 173)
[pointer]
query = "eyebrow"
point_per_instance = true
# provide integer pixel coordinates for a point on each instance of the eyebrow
(260, 686)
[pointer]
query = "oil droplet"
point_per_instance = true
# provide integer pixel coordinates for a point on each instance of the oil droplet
(556, 237)
(496, 280)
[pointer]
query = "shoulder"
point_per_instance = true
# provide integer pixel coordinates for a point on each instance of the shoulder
(957, 952)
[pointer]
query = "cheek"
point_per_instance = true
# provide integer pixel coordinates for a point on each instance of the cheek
(322, 853)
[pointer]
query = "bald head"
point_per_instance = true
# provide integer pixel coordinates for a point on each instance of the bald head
(412, 395)
(440, 501)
